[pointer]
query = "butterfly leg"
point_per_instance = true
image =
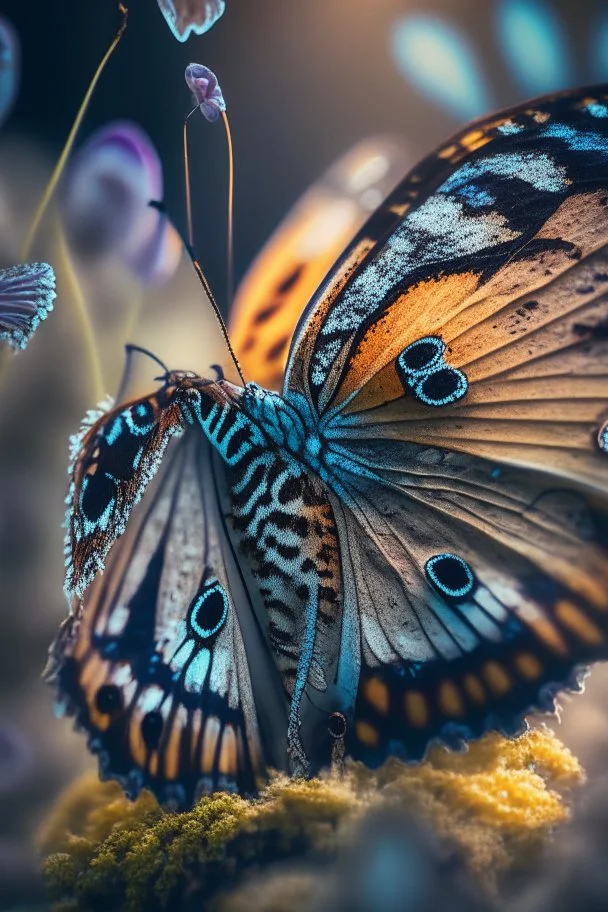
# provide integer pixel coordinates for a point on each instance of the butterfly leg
(299, 761)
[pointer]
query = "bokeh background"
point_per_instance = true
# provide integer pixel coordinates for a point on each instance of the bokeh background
(304, 80)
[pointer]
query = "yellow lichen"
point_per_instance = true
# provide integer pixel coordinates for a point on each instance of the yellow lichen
(497, 802)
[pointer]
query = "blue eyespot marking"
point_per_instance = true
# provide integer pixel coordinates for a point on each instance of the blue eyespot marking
(422, 370)
(450, 575)
(441, 387)
(140, 418)
(602, 437)
(209, 610)
(421, 356)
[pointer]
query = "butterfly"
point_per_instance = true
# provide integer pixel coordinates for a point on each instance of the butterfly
(408, 544)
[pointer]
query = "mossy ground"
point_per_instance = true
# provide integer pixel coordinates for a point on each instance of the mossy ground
(497, 803)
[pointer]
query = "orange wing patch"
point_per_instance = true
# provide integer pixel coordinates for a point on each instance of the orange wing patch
(295, 261)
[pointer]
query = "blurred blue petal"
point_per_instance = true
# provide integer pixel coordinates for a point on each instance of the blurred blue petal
(9, 67)
(105, 199)
(27, 293)
(534, 44)
(191, 16)
(437, 59)
(599, 47)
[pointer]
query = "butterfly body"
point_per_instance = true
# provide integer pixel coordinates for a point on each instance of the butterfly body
(410, 543)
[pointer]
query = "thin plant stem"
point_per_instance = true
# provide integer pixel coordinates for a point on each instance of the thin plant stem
(187, 179)
(69, 143)
(230, 244)
(82, 313)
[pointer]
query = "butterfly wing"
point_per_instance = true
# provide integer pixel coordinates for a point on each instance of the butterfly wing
(165, 663)
(479, 594)
(457, 362)
(27, 292)
(276, 288)
(114, 456)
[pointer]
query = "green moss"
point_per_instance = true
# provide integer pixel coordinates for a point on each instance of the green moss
(497, 802)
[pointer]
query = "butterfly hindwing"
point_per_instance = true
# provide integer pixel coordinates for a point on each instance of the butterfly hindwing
(165, 663)
(478, 596)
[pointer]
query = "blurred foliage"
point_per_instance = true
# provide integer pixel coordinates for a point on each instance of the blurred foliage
(497, 803)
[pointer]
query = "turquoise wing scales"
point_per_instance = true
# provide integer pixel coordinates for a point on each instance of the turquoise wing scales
(455, 363)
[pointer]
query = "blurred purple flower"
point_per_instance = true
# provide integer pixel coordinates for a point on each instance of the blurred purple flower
(9, 67)
(186, 16)
(27, 293)
(205, 90)
(105, 200)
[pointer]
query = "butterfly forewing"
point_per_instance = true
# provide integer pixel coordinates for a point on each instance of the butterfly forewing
(165, 663)
(114, 456)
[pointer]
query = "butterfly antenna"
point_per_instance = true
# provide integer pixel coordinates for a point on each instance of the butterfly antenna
(207, 288)
(130, 349)
(69, 143)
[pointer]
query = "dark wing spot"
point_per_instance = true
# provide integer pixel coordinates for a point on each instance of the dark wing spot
(108, 699)
(152, 729)
(266, 312)
(290, 280)
(96, 496)
(450, 575)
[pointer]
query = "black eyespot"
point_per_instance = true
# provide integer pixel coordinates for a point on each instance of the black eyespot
(450, 575)
(108, 699)
(337, 725)
(141, 415)
(442, 387)
(97, 494)
(209, 610)
(421, 355)
(152, 729)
